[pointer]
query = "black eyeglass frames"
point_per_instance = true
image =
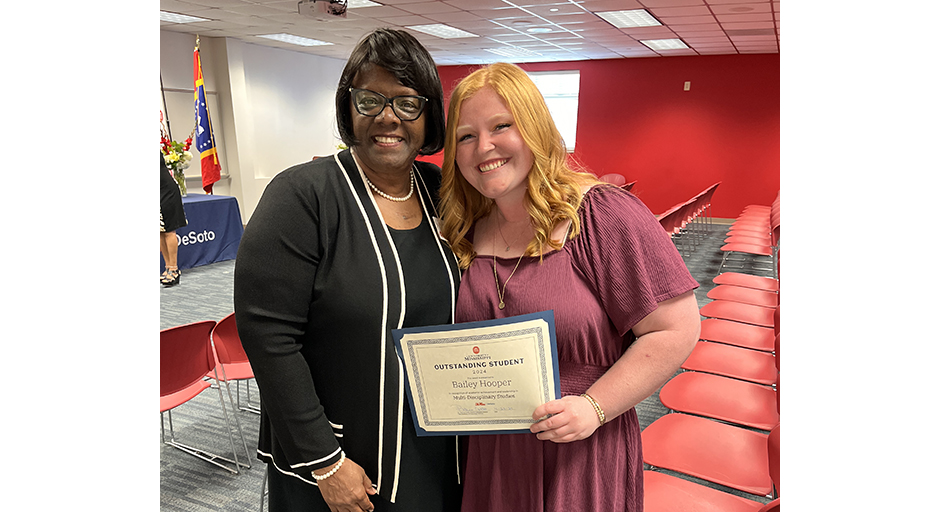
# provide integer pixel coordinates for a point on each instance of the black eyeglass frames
(370, 104)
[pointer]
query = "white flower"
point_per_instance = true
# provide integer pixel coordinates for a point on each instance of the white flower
(187, 156)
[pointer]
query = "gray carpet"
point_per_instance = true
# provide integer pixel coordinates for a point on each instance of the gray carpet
(205, 293)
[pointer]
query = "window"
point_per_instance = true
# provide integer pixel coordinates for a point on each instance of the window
(560, 89)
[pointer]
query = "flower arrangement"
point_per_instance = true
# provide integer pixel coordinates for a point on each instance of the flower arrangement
(176, 155)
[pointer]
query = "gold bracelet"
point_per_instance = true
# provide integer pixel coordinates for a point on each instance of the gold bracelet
(597, 408)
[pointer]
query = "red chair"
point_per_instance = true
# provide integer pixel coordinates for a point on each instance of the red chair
(773, 455)
(614, 179)
(735, 333)
(769, 284)
(739, 312)
(233, 361)
(665, 493)
(186, 357)
(722, 398)
(724, 454)
(735, 362)
(744, 295)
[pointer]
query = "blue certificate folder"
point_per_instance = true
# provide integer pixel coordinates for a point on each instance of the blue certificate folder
(478, 427)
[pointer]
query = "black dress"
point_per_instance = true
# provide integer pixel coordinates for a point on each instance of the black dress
(424, 487)
(320, 282)
(172, 215)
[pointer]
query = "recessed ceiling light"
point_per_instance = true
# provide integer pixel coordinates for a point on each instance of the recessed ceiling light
(512, 51)
(629, 19)
(353, 4)
(538, 30)
(665, 44)
(292, 39)
(173, 17)
(442, 31)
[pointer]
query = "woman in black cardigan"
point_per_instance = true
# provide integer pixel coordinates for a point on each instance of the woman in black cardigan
(339, 252)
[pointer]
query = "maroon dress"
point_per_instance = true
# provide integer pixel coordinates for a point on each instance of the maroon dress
(599, 285)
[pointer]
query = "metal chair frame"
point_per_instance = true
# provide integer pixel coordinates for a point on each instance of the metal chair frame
(200, 453)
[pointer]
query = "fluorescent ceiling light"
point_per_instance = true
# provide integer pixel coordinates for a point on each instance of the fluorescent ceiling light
(442, 31)
(664, 44)
(538, 30)
(629, 19)
(512, 51)
(353, 4)
(292, 39)
(173, 17)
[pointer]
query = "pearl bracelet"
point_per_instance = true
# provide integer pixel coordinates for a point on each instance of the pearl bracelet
(597, 408)
(324, 476)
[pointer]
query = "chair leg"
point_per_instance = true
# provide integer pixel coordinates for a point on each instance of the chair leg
(207, 456)
(238, 425)
(264, 492)
(248, 407)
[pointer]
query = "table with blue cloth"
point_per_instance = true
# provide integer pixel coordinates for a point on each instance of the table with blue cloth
(212, 234)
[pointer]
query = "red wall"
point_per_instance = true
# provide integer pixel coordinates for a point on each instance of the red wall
(634, 119)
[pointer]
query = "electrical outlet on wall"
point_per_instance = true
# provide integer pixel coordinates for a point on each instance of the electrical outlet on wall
(687, 86)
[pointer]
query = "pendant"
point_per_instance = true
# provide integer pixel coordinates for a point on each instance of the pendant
(502, 304)
(507, 248)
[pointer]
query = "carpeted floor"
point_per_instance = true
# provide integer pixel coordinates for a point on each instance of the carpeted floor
(205, 293)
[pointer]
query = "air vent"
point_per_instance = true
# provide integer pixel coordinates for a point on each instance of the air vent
(751, 32)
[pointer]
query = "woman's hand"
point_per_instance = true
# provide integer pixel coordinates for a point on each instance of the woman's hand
(573, 419)
(348, 489)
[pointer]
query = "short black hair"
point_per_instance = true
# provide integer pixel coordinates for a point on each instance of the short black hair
(406, 58)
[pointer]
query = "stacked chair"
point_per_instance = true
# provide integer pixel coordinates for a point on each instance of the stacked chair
(186, 358)
(755, 233)
(689, 221)
(195, 357)
(720, 442)
(233, 362)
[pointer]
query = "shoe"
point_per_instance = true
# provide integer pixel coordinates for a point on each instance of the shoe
(171, 277)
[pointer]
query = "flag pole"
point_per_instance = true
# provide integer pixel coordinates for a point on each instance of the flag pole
(166, 114)
(215, 156)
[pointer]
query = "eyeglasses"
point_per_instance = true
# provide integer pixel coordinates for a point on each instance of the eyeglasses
(370, 104)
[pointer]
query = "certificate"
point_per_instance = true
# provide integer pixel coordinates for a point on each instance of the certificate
(479, 377)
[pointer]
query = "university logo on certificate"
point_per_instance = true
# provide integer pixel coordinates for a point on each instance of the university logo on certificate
(479, 377)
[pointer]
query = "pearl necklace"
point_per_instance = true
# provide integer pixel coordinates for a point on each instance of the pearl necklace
(411, 190)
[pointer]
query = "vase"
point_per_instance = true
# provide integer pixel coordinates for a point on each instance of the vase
(181, 181)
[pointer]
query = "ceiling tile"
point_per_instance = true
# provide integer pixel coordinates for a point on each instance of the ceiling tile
(748, 8)
(452, 17)
(741, 18)
(693, 10)
(216, 3)
(610, 5)
(672, 3)
(750, 25)
(427, 8)
(688, 20)
(576, 34)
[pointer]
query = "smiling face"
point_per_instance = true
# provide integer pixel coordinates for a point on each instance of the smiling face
(386, 143)
(490, 151)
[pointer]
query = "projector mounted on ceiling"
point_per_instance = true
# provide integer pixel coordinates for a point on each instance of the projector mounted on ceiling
(322, 9)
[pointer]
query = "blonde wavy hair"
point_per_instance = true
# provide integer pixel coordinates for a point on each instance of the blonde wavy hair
(553, 191)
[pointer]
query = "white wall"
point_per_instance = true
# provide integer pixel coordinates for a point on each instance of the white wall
(274, 108)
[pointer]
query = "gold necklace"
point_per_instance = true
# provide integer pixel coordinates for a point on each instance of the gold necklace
(502, 293)
(508, 245)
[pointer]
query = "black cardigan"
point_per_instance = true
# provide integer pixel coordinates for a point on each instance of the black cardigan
(318, 288)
